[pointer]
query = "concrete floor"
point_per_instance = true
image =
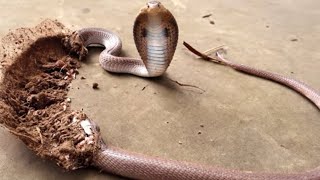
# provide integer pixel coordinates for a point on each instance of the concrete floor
(248, 123)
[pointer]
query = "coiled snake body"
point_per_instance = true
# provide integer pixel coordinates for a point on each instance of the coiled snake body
(156, 36)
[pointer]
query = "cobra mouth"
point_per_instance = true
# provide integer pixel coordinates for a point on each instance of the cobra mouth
(153, 4)
(153, 8)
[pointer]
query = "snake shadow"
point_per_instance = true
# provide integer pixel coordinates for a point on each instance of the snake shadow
(164, 81)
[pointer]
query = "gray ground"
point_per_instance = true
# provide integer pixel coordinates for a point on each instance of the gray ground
(248, 123)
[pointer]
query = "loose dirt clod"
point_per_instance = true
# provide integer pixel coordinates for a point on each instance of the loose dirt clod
(36, 71)
(206, 16)
(95, 86)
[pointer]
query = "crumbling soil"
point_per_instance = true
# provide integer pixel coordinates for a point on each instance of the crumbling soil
(36, 72)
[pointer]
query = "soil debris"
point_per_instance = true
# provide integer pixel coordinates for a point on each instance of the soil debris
(144, 87)
(95, 86)
(36, 71)
(206, 16)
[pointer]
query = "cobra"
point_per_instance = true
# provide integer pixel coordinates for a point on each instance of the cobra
(156, 35)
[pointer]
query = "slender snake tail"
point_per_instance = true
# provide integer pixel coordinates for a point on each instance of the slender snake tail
(296, 85)
(156, 35)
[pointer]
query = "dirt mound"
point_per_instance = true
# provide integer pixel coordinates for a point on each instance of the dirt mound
(36, 71)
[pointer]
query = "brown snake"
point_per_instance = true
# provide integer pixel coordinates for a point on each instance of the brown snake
(156, 35)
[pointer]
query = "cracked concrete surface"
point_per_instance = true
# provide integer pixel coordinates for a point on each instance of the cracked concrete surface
(240, 122)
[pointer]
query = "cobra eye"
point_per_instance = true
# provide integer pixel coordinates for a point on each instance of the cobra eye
(144, 32)
(166, 32)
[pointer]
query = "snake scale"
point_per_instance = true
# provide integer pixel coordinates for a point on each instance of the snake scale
(156, 35)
